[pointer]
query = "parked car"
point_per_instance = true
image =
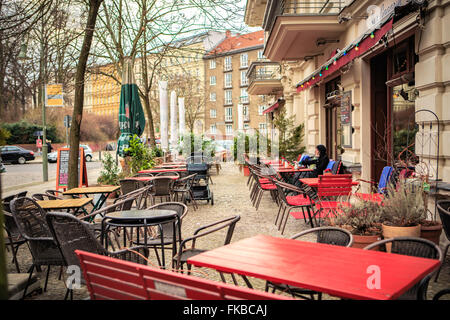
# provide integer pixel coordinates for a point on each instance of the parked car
(88, 155)
(16, 154)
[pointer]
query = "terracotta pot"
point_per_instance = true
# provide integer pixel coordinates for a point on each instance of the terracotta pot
(432, 233)
(363, 241)
(392, 232)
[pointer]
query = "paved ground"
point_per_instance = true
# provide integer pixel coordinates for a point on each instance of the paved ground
(231, 197)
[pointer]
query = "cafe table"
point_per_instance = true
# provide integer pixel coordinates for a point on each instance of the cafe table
(104, 192)
(65, 204)
(136, 219)
(338, 271)
(158, 170)
(314, 182)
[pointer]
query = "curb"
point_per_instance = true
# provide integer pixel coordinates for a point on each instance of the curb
(31, 184)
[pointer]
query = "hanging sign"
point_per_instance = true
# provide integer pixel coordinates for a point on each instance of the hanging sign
(54, 95)
(346, 108)
(62, 169)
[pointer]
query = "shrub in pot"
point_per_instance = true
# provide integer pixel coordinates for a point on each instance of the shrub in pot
(110, 175)
(362, 218)
(403, 209)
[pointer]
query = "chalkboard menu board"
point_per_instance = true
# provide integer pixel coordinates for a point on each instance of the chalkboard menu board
(62, 168)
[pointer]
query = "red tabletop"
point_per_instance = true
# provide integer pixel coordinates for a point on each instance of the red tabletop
(314, 182)
(152, 178)
(163, 170)
(338, 271)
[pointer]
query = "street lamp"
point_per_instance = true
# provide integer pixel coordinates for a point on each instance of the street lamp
(23, 57)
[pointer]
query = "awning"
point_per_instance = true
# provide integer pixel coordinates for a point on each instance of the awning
(360, 46)
(275, 106)
(345, 56)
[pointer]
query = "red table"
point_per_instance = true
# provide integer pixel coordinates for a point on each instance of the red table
(146, 179)
(163, 170)
(335, 270)
(314, 182)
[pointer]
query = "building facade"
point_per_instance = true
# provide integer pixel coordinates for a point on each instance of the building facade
(369, 79)
(226, 84)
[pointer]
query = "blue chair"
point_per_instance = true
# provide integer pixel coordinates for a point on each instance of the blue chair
(330, 165)
(381, 188)
(304, 157)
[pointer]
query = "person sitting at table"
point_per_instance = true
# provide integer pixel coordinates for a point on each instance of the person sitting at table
(321, 161)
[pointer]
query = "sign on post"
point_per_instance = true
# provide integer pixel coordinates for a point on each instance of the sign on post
(54, 95)
(38, 143)
(62, 169)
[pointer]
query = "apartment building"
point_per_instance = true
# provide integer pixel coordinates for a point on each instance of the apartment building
(360, 75)
(226, 84)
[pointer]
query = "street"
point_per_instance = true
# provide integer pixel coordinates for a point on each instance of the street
(17, 174)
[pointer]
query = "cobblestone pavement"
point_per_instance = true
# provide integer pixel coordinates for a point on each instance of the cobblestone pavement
(231, 197)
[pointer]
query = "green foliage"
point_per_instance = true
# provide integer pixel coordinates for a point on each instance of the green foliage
(362, 217)
(207, 146)
(290, 136)
(23, 132)
(251, 139)
(404, 204)
(157, 152)
(401, 139)
(110, 175)
(4, 135)
(141, 156)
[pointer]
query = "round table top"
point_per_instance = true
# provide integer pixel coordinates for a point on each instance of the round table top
(148, 215)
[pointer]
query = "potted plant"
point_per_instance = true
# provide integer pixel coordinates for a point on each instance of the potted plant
(362, 218)
(138, 156)
(110, 175)
(403, 209)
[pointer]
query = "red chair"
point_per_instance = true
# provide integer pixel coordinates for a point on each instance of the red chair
(114, 279)
(330, 191)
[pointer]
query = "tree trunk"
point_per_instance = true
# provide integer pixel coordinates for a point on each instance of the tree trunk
(77, 115)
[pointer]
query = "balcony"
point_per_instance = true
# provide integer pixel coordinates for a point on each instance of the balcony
(297, 29)
(264, 78)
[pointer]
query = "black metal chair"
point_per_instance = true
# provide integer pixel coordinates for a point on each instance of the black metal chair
(416, 247)
(167, 228)
(13, 237)
(45, 196)
(168, 174)
(183, 253)
(30, 220)
(328, 235)
(162, 188)
(183, 186)
(442, 293)
(129, 185)
(443, 207)
(73, 234)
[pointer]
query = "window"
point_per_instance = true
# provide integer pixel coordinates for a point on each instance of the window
(228, 97)
(244, 95)
(229, 129)
(227, 64)
(228, 80)
(244, 60)
(212, 96)
(212, 64)
(213, 129)
(261, 110)
(262, 127)
(245, 113)
(260, 54)
(244, 79)
(229, 114)
(212, 113)
(212, 80)
(246, 126)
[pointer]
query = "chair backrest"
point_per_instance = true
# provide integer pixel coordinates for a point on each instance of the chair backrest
(336, 167)
(128, 185)
(416, 247)
(114, 279)
(180, 208)
(334, 185)
(71, 234)
(144, 174)
(44, 196)
(328, 235)
(30, 220)
(171, 174)
(443, 207)
(330, 165)
(384, 179)
(162, 186)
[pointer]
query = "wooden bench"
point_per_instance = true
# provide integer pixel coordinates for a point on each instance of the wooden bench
(114, 279)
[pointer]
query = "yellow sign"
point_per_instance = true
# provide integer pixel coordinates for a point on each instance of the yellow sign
(54, 95)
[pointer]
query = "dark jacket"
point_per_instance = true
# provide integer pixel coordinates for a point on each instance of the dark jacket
(321, 162)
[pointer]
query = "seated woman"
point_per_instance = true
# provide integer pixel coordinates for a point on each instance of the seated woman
(321, 161)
